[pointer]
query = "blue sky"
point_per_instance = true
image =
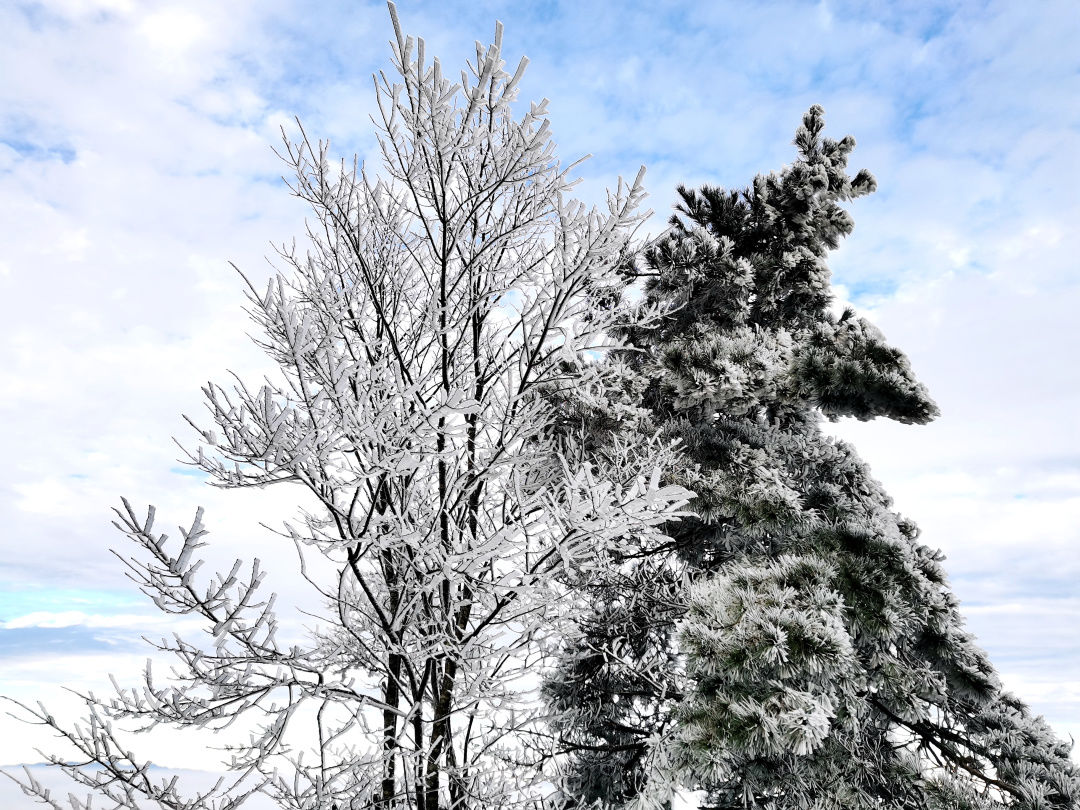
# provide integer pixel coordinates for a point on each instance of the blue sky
(135, 161)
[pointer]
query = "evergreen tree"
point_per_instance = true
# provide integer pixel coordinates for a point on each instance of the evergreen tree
(793, 645)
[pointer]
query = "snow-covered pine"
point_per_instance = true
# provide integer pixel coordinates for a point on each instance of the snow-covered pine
(792, 645)
(425, 337)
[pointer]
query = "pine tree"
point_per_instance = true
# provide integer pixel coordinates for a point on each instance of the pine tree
(793, 645)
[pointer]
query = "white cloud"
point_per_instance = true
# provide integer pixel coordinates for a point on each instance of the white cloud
(173, 30)
(135, 161)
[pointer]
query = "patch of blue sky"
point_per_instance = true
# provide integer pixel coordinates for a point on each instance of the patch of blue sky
(910, 111)
(870, 290)
(926, 19)
(544, 11)
(37, 15)
(30, 150)
(313, 49)
(16, 601)
(40, 16)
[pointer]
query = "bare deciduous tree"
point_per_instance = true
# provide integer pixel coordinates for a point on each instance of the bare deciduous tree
(424, 337)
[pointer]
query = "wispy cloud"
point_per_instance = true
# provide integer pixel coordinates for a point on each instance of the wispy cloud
(76, 618)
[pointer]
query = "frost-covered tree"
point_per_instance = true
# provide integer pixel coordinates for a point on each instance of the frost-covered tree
(793, 645)
(423, 338)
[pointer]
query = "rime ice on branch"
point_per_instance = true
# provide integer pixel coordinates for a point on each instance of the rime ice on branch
(425, 336)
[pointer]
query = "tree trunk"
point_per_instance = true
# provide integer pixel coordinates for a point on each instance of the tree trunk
(440, 734)
(393, 693)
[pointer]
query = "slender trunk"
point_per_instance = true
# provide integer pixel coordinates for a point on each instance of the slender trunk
(392, 692)
(441, 689)
(440, 732)
(457, 786)
(392, 696)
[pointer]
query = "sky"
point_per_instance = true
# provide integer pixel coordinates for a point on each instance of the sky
(136, 162)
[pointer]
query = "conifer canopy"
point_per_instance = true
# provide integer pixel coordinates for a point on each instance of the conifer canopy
(793, 645)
